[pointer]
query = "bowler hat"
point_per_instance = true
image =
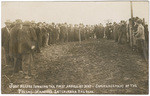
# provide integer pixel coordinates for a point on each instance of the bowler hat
(33, 22)
(18, 21)
(27, 23)
(8, 22)
(39, 23)
(139, 21)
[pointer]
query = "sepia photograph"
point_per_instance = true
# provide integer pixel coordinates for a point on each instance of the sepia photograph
(75, 47)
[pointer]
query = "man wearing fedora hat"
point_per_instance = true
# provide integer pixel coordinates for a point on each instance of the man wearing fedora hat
(6, 39)
(13, 51)
(122, 33)
(76, 32)
(26, 45)
(39, 36)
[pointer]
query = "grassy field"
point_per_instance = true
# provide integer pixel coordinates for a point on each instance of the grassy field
(90, 63)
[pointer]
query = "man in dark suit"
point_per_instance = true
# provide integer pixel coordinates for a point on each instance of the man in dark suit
(63, 33)
(5, 40)
(122, 33)
(26, 45)
(13, 46)
(96, 31)
(116, 31)
(70, 33)
(45, 35)
(39, 36)
(76, 32)
(50, 30)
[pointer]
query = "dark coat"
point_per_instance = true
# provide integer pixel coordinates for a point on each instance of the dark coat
(50, 31)
(39, 36)
(5, 39)
(70, 34)
(56, 33)
(82, 32)
(63, 30)
(13, 45)
(26, 39)
(122, 34)
(44, 36)
(76, 34)
(97, 32)
(116, 32)
(44, 31)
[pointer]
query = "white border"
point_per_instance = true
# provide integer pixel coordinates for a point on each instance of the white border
(72, 1)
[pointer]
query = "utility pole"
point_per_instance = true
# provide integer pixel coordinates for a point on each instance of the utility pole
(131, 26)
(131, 9)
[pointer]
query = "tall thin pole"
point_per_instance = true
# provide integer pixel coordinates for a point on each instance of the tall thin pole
(131, 9)
(131, 31)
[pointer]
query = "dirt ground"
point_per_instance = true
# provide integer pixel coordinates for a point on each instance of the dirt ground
(93, 62)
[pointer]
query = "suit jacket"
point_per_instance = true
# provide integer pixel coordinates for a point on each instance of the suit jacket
(26, 39)
(5, 38)
(13, 45)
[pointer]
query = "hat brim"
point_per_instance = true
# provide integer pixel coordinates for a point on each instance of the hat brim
(7, 22)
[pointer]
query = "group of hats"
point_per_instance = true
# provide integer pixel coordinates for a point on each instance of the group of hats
(19, 21)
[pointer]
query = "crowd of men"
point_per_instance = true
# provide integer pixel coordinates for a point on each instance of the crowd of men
(20, 40)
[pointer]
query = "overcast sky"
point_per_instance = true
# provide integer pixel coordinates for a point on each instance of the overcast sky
(73, 12)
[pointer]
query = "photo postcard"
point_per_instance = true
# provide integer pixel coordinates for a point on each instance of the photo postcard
(74, 47)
